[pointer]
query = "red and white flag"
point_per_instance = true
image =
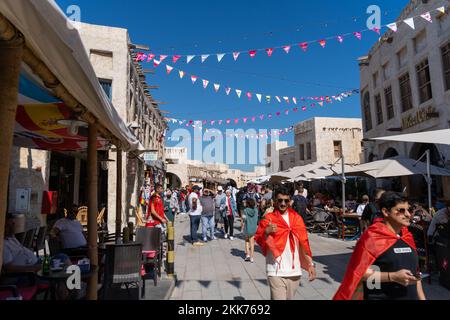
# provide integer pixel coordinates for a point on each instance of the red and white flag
(358, 35)
(216, 87)
(175, 59)
(323, 43)
(427, 16)
(169, 69)
(252, 53)
(287, 100)
(194, 79)
(162, 58)
(393, 26)
(156, 63)
(304, 46)
(205, 83)
(269, 51)
(151, 56)
(287, 49)
(236, 55)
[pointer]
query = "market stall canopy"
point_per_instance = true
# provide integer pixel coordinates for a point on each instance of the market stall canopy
(260, 180)
(296, 172)
(57, 43)
(398, 167)
(438, 137)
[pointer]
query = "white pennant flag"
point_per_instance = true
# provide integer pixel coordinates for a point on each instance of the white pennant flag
(278, 98)
(427, 16)
(205, 83)
(410, 22)
(169, 69)
(441, 9)
(220, 56)
(181, 74)
(259, 96)
(238, 92)
(228, 90)
(393, 26)
(236, 55)
(189, 58)
(204, 57)
(216, 87)
(295, 100)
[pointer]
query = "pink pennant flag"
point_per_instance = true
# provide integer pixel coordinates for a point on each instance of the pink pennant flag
(295, 109)
(189, 58)
(162, 58)
(212, 122)
(269, 116)
(253, 119)
(286, 112)
(220, 56)
(261, 117)
(204, 57)
(377, 30)
(304, 46)
(220, 122)
(236, 121)
(216, 87)
(194, 79)
(236, 55)
(323, 43)
(156, 63)
(238, 92)
(228, 90)
(278, 98)
(340, 39)
(269, 51)
(204, 122)
(151, 56)
(358, 35)
(393, 26)
(169, 69)
(140, 56)
(175, 59)
(295, 100)
(304, 108)
(245, 120)
(228, 121)
(427, 16)
(205, 83)
(181, 74)
(259, 96)
(287, 100)
(287, 49)
(252, 53)
(249, 96)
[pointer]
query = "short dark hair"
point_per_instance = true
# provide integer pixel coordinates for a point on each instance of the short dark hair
(158, 186)
(283, 191)
(251, 203)
(390, 199)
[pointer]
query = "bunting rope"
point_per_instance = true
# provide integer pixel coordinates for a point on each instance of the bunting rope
(268, 98)
(142, 57)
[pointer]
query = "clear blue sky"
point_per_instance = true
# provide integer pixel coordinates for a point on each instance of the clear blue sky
(205, 26)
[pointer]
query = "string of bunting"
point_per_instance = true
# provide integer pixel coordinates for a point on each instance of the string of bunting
(275, 133)
(157, 59)
(250, 95)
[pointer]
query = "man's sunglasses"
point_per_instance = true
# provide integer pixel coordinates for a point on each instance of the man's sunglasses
(402, 210)
(283, 201)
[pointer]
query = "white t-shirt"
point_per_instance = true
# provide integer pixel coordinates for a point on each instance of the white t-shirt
(199, 210)
(305, 193)
(71, 233)
(284, 267)
(14, 252)
(360, 209)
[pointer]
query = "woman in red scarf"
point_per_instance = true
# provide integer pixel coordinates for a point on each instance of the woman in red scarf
(284, 241)
(384, 265)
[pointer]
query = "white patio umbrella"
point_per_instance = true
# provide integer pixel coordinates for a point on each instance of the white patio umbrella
(438, 137)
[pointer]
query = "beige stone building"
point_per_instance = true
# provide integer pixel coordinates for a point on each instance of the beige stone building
(273, 156)
(405, 88)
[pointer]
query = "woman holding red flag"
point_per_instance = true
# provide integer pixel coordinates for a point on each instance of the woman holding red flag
(384, 265)
(283, 238)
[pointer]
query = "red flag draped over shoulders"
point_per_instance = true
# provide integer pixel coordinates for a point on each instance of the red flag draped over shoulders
(373, 243)
(276, 243)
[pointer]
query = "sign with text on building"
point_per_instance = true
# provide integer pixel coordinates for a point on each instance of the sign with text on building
(419, 117)
(151, 156)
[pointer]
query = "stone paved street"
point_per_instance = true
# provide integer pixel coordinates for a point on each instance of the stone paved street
(217, 271)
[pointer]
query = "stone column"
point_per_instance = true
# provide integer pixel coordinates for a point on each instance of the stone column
(11, 50)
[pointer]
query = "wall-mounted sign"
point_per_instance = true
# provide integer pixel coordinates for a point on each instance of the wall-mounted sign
(419, 117)
(151, 156)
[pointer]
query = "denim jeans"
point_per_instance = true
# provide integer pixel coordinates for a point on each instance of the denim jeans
(195, 223)
(208, 222)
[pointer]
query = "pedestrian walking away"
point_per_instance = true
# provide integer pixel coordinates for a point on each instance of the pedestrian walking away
(208, 213)
(229, 213)
(251, 224)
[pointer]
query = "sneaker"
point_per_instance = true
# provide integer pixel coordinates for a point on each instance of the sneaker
(205, 239)
(231, 238)
(251, 260)
(214, 238)
(226, 236)
(247, 258)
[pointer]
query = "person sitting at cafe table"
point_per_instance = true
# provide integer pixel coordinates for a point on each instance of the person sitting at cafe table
(70, 231)
(362, 206)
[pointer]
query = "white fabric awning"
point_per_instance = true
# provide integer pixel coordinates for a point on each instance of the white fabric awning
(437, 137)
(47, 33)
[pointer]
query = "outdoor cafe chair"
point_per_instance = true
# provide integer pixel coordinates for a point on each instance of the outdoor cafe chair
(322, 220)
(39, 243)
(29, 239)
(83, 215)
(122, 266)
(151, 251)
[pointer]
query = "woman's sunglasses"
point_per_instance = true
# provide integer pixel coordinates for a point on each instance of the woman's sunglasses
(402, 210)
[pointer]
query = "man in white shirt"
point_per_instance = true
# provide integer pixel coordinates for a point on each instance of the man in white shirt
(283, 239)
(441, 217)
(303, 191)
(362, 206)
(70, 232)
(195, 214)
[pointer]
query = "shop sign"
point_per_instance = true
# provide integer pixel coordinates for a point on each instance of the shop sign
(151, 156)
(418, 117)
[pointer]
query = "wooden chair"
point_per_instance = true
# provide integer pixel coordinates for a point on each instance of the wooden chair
(83, 216)
(100, 217)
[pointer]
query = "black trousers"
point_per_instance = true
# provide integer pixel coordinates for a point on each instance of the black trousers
(229, 224)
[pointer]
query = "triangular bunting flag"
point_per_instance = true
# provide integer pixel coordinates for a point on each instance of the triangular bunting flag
(236, 121)
(358, 35)
(278, 98)
(216, 87)
(189, 58)
(204, 57)
(220, 56)
(156, 63)
(150, 57)
(321, 104)
(253, 119)
(287, 100)
(303, 108)
(194, 79)
(295, 109)
(427, 16)
(245, 120)
(228, 121)
(236, 55)
(340, 39)
(377, 30)
(410, 22)
(169, 69)
(181, 74)
(268, 98)
(393, 26)
(252, 53)
(261, 117)
(205, 83)
(259, 96)
(286, 112)
(304, 46)
(175, 59)
(238, 92)
(269, 51)
(162, 58)
(441, 9)
(140, 56)
(295, 100)
(249, 96)
(228, 90)
(287, 49)
(220, 122)
(212, 122)
(323, 43)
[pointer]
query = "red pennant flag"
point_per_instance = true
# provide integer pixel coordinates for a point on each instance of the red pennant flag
(323, 43)
(304, 46)
(150, 57)
(204, 122)
(252, 53)
(175, 59)
(269, 51)
(377, 30)
(205, 83)
(278, 113)
(140, 56)
(287, 49)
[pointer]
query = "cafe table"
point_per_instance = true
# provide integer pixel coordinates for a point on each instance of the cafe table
(53, 278)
